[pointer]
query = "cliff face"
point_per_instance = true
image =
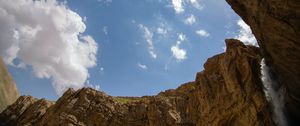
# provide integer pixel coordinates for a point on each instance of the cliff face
(8, 89)
(227, 92)
(276, 26)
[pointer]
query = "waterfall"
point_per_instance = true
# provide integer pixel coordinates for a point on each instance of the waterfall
(273, 95)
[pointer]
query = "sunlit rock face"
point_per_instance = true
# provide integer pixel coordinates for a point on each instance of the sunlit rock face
(228, 92)
(8, 89)
(276, 26)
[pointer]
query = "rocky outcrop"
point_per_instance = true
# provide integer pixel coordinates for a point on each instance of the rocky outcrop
(8, 89)
(25, 111)
(276, 26)
(227, 92)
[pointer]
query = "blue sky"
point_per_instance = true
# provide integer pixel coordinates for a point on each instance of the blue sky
(143, 46)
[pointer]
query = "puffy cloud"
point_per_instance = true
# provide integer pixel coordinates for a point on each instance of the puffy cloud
(148, 35)
(196, 4)
(46, 35)
(177, 52)
(162, 31)
(245, 34)
(178, 6)
(190, 20)
(142, 66)
(202, 33)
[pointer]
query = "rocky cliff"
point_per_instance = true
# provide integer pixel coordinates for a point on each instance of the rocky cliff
(228, 92)
(8, 89)
(276, 26)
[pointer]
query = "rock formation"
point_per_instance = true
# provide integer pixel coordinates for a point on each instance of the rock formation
(8, 89)
(228, 92)
(276, 26)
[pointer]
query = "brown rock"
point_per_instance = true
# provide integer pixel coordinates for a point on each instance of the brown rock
(276, 26)
(25, 111)
(8, 89)
(227, 92)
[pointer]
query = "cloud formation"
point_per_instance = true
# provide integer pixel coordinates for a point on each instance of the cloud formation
(94, 86)
(178, 6)
(178, 53)
(46, 35)
(196, 4)
(190, 20)
(162, 31)
(245, 34)
(148, 35)
(142, 66)
(202, 33)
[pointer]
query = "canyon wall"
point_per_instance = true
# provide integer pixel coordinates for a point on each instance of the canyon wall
(228, 92)
(8, 89)
(276, 26)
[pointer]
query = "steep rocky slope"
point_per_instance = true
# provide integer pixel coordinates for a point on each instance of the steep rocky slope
(227, 92)
(8, 89)
(276, 26)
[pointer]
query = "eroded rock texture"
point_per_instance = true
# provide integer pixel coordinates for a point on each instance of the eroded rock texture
(276, 26)
(228, 92)
(8, 89)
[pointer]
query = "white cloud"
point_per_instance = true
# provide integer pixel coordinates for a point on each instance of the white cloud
(202, 33)
(162, 31)
(94, 86)
(181, 37)
(196, 4)
(178, 53)
(190, 20)
(46, 35)
(84, 19)
(245, 34)
(178, 6)
(148, 35)
(142, 66)
(104, 29)
(97, 87)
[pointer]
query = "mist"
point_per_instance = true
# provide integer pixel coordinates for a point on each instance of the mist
(273, 95)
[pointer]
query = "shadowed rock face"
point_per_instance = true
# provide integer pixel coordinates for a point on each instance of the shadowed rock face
(8, 89)
(227, 92)
(276, 26)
